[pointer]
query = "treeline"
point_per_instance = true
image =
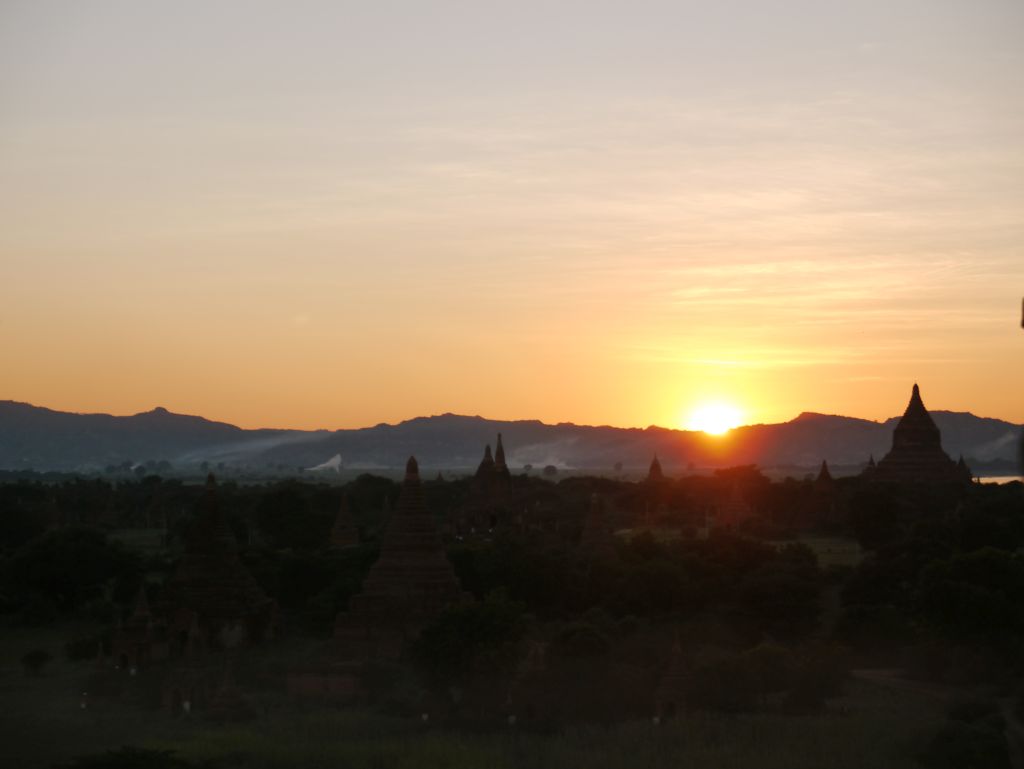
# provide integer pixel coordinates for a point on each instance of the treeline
(941, 588)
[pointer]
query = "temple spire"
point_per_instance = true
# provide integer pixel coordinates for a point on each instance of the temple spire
(916, 455)
(500, 466)
(916, 427)
(486, 467)
(655, 473)
(411, 580)
(499, 454)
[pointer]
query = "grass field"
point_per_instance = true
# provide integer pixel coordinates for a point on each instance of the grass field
(41, 723)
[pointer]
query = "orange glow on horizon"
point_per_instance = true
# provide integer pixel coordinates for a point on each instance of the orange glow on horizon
(715, 418)
(550, 226)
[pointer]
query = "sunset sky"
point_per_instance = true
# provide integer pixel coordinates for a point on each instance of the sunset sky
(333, 214)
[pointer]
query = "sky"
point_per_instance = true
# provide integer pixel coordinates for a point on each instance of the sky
(334, 214)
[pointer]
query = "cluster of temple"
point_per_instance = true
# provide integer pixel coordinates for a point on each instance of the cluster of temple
(210, 605)
(213, 604)
(489, 506)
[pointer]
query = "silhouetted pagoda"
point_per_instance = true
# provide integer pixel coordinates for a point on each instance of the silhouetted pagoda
(823, 503)
(916, 455)
(500, 466)
(492, 470)
(655, 474)
(824, 479)
(488, 504)
(212, 588)
(141, 638)
(486, 467)
(410, 583)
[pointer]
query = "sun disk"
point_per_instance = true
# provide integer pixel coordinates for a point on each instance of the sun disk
(714, 418)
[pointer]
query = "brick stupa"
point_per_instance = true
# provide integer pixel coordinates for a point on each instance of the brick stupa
(410, 583)
(211, 586)
(916, 455)
(488, 505)
(655, 473)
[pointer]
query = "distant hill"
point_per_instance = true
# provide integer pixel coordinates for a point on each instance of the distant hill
(38, 438)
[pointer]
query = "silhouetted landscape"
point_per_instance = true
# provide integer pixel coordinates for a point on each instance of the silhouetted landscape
(515, 385)
(33, 438)
(508, 617)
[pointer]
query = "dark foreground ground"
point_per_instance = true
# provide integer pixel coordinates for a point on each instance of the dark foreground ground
(876, 724)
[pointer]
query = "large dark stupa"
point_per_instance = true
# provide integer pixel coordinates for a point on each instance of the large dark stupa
(917, 455)
(411, 582)
(212, 588)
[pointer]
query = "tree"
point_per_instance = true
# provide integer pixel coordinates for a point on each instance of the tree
(69, 567)
(471, 638)
(976, 596)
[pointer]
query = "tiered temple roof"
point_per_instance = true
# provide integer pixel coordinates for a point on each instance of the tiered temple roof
(412, 580)
(916, 455)
(488, 505)
(486, 466)
(139, 639)
(210, 579)
(500, 466)
(655, 473)
(493, 470)
(824, 476)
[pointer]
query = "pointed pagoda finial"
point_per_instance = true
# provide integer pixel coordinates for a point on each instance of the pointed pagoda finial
(655, 473)
(871, 460)
(499, 453)
(964, 470)
(485, 470)
(412, 468)
(916, 403)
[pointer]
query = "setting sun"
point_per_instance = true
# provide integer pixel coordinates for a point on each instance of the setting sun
(714, 418)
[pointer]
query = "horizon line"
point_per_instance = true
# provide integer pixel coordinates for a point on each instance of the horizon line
(162, 409)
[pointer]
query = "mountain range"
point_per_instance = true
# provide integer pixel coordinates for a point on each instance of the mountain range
(41, 439)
